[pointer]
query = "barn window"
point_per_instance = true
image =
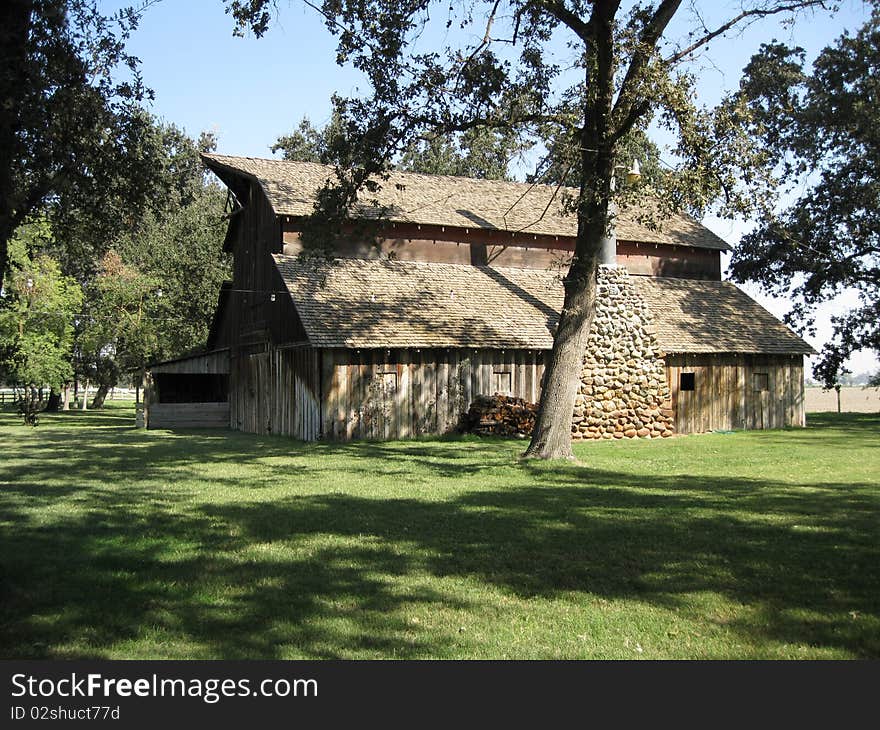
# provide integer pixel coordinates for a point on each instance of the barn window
(761, 382)
(687, 381)
(502, 381)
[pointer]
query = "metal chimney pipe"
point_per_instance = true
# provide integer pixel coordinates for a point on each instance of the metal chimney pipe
(608, 251)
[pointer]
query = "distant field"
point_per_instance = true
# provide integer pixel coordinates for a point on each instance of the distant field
(853, 399)
(124, 543)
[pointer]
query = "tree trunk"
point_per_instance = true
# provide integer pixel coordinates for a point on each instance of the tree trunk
(66, 400)
(101, 395)
(53, 405)
(85, 403)
(551, 438)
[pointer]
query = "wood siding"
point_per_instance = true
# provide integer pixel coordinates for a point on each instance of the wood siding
(340, 394)
(188, 415)
(448, 245)
(403, 393)
(729, 392)
(258, 308)
(211, 363)
(679, 262)
(276, 391)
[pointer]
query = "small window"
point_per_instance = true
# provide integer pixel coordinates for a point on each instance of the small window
(502, 381)
(687, 381)
(761, 382)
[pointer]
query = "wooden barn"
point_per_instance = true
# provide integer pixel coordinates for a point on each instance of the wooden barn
(458, 296)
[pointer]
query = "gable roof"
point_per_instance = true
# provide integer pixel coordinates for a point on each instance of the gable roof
(714, 316)
(366, 304)
(460, 202)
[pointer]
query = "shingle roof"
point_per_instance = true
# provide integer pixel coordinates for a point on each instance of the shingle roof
(714, 316)
(454, 201)
(364, 304)
(361, 303)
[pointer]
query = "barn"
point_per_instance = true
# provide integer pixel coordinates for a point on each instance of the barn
(456, 294)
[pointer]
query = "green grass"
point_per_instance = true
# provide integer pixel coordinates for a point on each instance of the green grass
(122, 543)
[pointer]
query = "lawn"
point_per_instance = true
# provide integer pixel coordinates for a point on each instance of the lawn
(122, 543)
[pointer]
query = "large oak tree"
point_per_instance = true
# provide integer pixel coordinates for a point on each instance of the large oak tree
(592, 72)
(69, 107)
(822, 127)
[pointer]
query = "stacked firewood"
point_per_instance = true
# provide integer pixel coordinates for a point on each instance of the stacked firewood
(500, 415)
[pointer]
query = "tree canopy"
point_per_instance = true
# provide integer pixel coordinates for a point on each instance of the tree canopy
(821, 126)
(121, 201)
(69, 107)
(152, 275)
(37, 316)
(479, 152)
(307, 143)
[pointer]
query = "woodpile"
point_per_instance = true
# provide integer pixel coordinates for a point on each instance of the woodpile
(500, 415)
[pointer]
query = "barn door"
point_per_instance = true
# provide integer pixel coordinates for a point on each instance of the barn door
(259, 392)
(389, 414)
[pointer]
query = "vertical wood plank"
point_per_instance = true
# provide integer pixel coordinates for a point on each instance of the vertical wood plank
(442, 391)
(430, 391)
(454, 388)
(476, 365)
(466, 380)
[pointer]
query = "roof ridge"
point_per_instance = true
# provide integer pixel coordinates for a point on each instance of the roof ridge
(458, 202)
(404, 173)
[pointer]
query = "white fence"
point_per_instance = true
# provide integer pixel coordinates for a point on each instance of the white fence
(10, 395)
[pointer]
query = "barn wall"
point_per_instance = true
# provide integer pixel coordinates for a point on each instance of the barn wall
(188, 415)
(343, 394)
(650, 259)
(481, 247)
(276, 390)
(253, 316)
(401, 393)
(212, 363)
(725, 395)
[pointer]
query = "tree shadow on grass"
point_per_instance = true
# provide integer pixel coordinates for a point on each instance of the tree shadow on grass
(329, 575)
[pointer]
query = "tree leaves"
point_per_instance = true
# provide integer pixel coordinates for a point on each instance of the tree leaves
(821, 129)
(37, 314)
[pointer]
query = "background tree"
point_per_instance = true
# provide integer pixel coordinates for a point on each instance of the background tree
(307, 143)
(121, 329)
(153, 291)
(563, 159)
(614, 72)
(37, 314)
(65, 118)
(822, 127)
(480, 152)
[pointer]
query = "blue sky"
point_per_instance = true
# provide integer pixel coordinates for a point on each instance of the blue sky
(250, 91)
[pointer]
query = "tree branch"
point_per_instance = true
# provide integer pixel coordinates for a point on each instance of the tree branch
(568, 18)
(647, 42)
(755, 13)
